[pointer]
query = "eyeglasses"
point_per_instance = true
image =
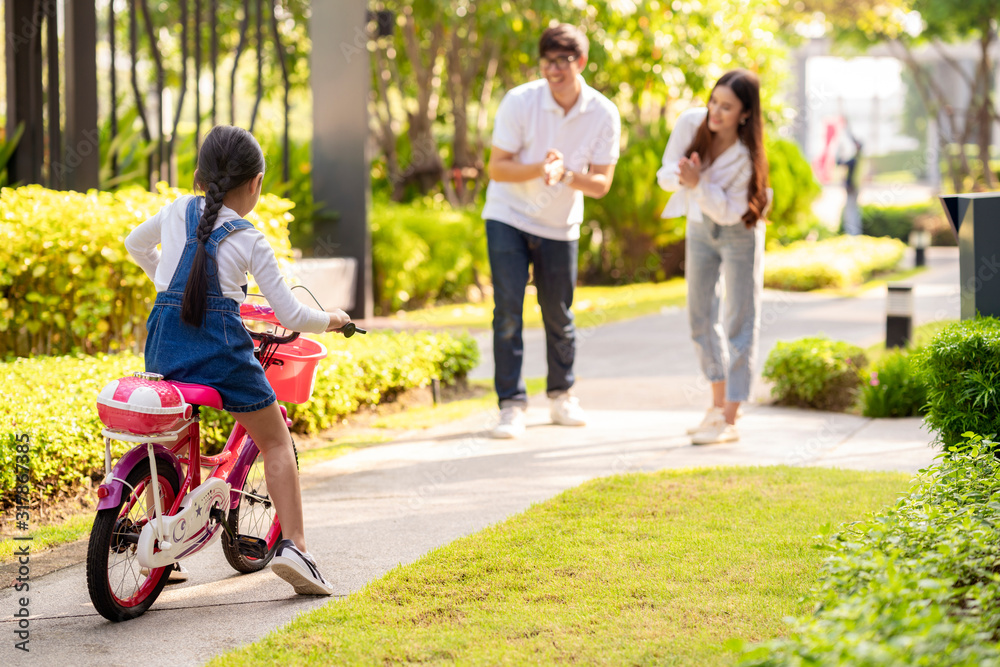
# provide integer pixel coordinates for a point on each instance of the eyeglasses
(560, 62)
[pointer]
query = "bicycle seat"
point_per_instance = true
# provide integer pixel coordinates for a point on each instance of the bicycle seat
(199, 394)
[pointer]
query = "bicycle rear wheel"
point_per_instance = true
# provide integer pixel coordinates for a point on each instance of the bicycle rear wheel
(255, 516)
(119, 587)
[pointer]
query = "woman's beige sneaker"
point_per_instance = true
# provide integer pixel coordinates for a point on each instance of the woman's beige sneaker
(719, 432)
(712, 415)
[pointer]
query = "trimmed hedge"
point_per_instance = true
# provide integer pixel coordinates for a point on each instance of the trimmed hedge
(898, 221)
(961, 370)
(815, 373)
(425, 253)
(914, 585)
(839, 262)
(67, 283)
(53, 399)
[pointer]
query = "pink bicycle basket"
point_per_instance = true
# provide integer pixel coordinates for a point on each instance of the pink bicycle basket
(292, 372)
(141, 406)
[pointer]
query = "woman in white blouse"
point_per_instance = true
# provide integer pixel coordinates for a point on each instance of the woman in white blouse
(716, 164)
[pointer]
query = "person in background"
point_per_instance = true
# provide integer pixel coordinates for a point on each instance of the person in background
(715, 164)
(851, 158)
(555, 140)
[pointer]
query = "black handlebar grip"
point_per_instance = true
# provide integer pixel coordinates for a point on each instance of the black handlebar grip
(350, 329)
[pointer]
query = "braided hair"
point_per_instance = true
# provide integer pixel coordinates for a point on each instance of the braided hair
(228, 158)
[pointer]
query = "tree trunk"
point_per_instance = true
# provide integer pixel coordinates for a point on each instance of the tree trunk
(426, 167)
(937, 106)
(386, 133)
(985, 119)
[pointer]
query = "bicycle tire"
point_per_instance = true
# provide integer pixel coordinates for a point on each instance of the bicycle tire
(258, 519)
(118, 588)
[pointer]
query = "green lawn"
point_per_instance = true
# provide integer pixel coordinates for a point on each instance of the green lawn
(673, 568)
(484, 398)
(593, 306)
(878, 280)
(922, 336)
(51, 535)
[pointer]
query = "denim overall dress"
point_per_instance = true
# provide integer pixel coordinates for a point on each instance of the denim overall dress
(219, 353)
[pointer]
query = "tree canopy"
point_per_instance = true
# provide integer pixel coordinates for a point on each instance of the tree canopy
(905, 25)
(439, 76)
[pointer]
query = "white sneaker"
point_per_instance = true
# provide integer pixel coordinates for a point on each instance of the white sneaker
(511, 424)
(712, 415)
(176, 573)
(566, 411)
(718, 432)
(299, 569)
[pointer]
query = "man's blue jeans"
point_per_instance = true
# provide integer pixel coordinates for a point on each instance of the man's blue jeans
(555, 267)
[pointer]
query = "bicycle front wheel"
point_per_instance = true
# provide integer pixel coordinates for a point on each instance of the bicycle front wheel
(255, 516)
(120, 588)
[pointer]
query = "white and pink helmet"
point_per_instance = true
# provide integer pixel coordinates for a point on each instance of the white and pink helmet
(142, 404)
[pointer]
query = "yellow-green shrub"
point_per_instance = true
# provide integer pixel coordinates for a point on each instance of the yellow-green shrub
(838, 262)
(53, 399)
(67, 283)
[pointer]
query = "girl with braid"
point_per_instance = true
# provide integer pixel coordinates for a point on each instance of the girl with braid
(195, 333)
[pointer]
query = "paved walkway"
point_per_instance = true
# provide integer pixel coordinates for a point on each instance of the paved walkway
(387, 505)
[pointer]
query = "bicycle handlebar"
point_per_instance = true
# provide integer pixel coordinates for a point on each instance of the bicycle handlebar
(258, 313)
(350, 329)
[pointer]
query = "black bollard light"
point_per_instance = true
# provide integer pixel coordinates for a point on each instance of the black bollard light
(919, 240)
(899, 316)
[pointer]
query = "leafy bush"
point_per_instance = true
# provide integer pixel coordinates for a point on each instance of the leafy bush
(838, 262)
(815, 373)
(893, 387)
(914, 585)
(795, 189)
(961, 370)
(67, 283)
(898, 221)
(423, 253)
(623, 239)
(53, 399)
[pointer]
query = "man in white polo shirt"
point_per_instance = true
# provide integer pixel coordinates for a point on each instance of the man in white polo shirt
(554, 140)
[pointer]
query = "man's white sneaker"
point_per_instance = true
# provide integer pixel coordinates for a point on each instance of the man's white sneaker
(720, 432)
(299, 569)
(565, 410)
(511, 424)
(712, 415)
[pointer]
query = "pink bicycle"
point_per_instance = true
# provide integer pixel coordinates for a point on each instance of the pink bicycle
(147, 517)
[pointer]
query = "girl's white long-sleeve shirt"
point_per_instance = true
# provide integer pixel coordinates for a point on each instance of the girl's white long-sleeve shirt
(722, 193)
(243, 251)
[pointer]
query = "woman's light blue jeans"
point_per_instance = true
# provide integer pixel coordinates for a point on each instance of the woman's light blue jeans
(729, 258)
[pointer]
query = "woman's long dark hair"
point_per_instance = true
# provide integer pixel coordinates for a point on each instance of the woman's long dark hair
(746, 86)
(229, 158)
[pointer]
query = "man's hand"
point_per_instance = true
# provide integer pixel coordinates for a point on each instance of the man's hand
(689, 170)
(338, 319)
(553, 167)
